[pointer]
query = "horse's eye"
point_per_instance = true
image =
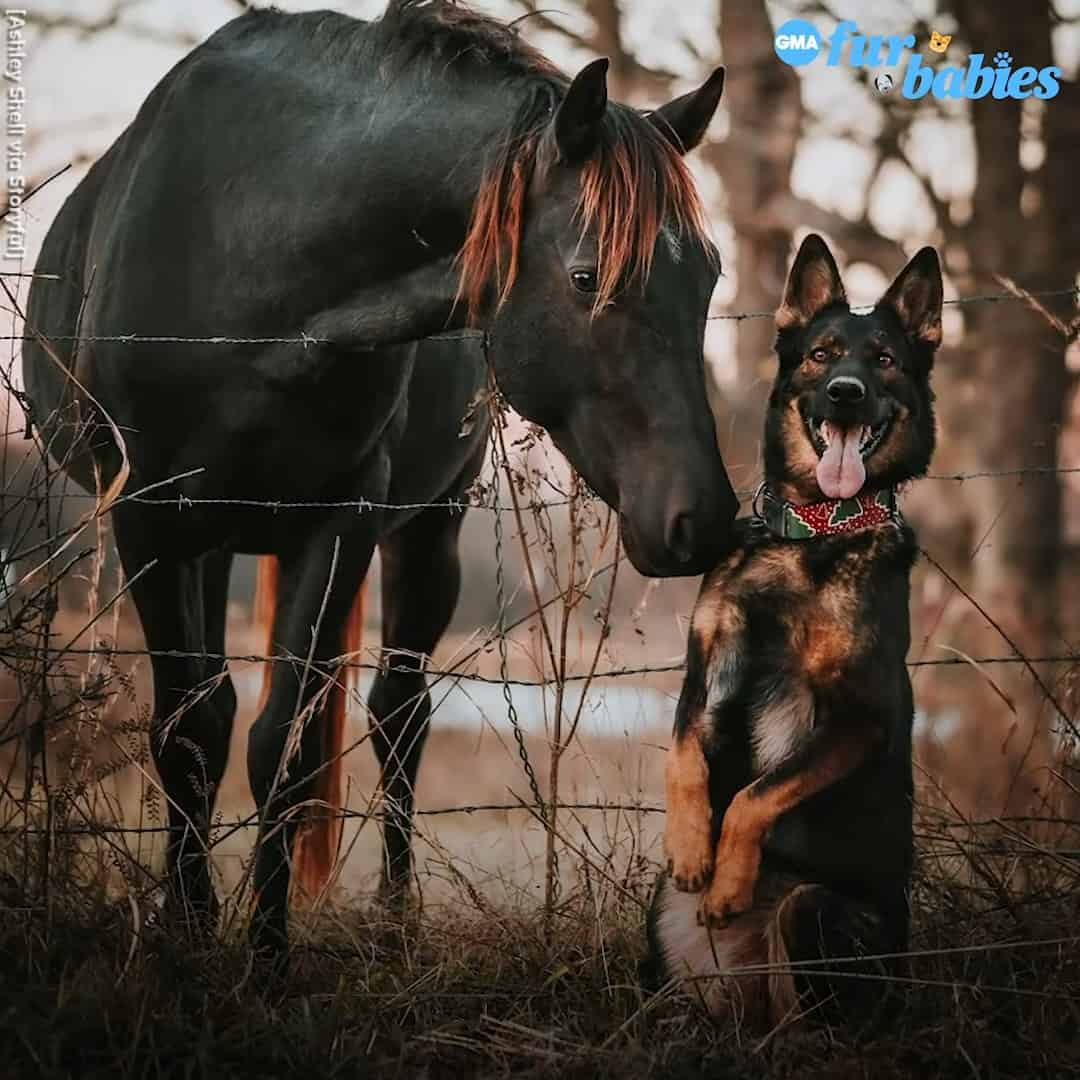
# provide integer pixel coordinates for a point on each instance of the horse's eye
(820, 355)
(584, 280)
(885, 361)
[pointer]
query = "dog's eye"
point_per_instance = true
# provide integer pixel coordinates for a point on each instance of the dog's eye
(584, 280)
(885, 361)
(820, 355)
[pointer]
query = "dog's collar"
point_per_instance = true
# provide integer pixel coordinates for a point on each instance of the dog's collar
(831, 517)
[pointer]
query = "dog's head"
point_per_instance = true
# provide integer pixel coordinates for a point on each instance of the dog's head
(851, 408)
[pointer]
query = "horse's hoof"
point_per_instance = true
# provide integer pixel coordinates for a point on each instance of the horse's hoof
(393, 898)
(270, 943)
(195, 915)
(393, 908)
(271, 970)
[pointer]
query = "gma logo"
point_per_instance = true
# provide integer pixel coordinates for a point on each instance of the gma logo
(797, 41)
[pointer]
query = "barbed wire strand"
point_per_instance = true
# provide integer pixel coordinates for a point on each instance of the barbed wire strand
(456, 673)
(307, 340)
(459, 506)
(250, 821)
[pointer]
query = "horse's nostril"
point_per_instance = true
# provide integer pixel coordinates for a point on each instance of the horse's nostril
(680, 538)
(845, 390)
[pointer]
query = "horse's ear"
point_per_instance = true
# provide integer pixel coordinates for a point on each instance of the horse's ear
(916, 297)
(686, 119)
(577, 123)
(813, 284)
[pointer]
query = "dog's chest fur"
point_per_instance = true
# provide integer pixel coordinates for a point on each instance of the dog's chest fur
(780, 622)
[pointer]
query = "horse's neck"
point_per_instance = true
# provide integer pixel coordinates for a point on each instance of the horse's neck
(464, 119)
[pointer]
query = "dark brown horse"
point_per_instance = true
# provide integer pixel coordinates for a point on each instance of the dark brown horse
(341, 190)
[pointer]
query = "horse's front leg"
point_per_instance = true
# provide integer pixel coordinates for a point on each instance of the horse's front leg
(181, 605)
(415, 305)
(421, 579)
(317, 584)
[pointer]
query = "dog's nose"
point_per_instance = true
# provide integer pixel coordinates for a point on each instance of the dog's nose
(845, 390)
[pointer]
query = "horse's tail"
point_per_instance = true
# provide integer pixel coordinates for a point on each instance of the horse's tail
(317, 843)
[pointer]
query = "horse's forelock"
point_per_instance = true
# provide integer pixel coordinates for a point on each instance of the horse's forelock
(633, 189)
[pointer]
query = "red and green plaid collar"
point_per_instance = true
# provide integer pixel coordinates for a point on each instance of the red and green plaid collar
(831, 517)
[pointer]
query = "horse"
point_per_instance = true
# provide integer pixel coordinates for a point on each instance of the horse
(299, 209)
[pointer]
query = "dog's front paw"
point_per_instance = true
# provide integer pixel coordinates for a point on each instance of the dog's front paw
(731, 892)
(689, 851)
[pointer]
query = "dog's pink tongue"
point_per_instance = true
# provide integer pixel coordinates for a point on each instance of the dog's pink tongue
(841, 472)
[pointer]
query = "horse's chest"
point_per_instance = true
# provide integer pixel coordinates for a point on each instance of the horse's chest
(245, 435)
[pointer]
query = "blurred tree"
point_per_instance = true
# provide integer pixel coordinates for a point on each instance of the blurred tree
(754, 163)
(1024, 225)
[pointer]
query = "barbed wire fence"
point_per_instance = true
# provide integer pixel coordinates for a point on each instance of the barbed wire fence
(559, 581)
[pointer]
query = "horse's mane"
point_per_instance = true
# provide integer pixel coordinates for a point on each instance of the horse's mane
(631, 187)
(451, 31)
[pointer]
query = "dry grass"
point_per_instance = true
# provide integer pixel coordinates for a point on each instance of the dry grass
(473, 984)
(469, 987)
(477, 982)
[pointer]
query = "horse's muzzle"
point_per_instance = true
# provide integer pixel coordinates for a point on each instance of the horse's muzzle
(681, 531)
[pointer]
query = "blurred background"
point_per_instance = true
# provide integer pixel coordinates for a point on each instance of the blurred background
(990, 183)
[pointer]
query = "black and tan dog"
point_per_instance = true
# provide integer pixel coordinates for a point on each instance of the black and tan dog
(789, 784)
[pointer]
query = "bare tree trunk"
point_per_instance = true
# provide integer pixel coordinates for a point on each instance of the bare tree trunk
(754, 163)
(1024, 226)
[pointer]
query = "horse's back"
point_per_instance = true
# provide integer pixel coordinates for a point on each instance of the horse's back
(241, 199)
(227, 198)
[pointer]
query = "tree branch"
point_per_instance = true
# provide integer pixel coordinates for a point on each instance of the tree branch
(114, 19)
(859, 239)
(630, 77)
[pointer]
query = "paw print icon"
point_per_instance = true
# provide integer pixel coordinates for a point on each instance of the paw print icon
(1002, 59)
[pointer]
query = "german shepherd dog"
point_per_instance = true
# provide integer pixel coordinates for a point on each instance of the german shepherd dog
(789, 784)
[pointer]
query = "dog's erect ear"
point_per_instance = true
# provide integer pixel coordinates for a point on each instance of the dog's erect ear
(813, 284)
(577, 123)
(915, 296)
(686, 119)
